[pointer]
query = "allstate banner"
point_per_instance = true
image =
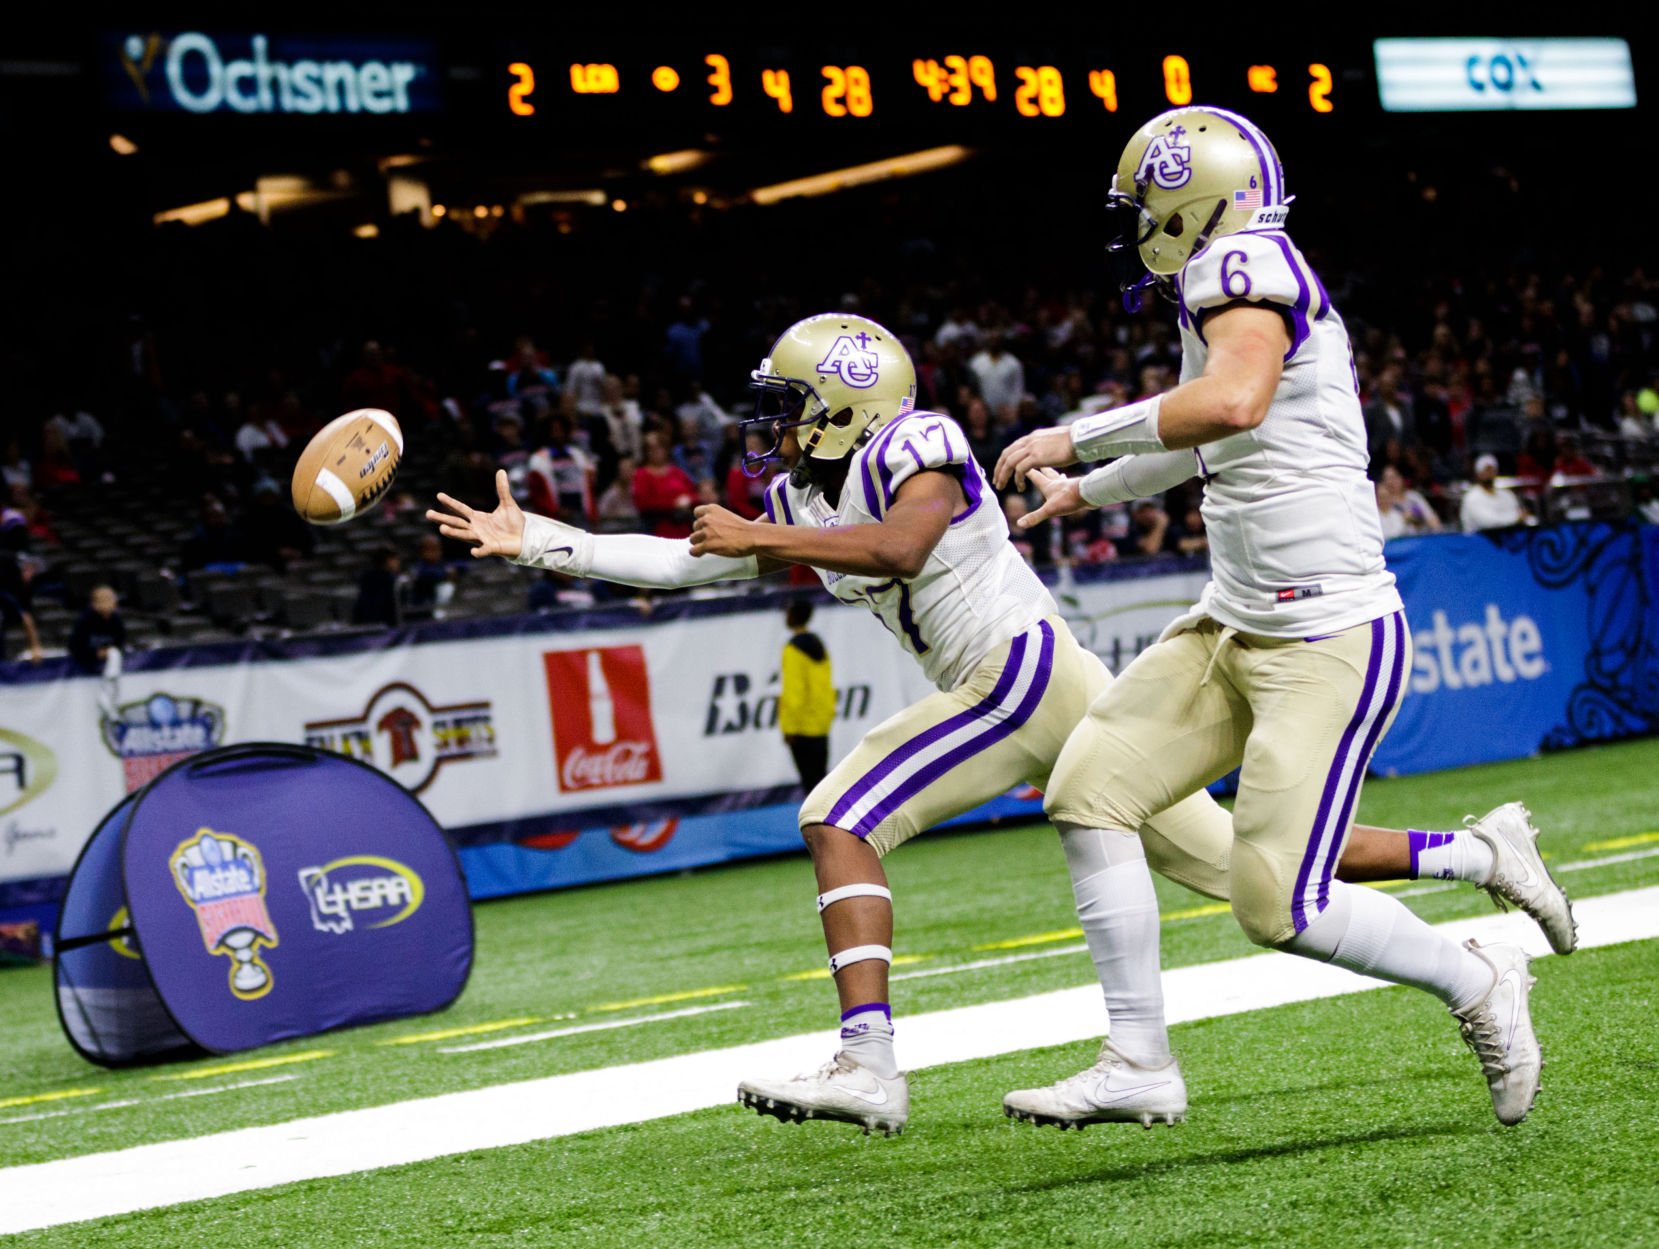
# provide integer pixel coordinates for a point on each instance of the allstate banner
(1524, 640)
(266, 891)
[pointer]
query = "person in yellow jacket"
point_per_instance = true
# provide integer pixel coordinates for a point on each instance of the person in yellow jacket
(806, 703)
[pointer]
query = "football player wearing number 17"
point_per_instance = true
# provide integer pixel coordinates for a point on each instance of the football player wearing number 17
(1292, 663)
(888, 505)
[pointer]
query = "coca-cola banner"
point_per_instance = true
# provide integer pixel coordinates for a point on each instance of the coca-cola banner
(520, 732)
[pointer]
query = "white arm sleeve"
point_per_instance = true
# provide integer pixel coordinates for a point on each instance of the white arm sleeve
(1137, 476)
(627, 558)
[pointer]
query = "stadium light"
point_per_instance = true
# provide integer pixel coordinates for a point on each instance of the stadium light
(834, 180)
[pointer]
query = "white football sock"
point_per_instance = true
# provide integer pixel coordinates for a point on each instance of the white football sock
(1376, 935)
(867, 1038)
(1118, 909)
(1455, 855)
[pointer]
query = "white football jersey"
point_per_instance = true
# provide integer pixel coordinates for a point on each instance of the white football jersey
(1296, 545)
(973, 594)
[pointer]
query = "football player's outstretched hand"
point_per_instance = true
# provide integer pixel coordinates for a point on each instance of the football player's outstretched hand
(500, 532)
(1062, 496)
(1042, 448)
(715, 531)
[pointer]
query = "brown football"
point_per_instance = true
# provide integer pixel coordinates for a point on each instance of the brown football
(347, 467)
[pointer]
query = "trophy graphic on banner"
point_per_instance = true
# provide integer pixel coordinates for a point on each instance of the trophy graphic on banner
(223, 879)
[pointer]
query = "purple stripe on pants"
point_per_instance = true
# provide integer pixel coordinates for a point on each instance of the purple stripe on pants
(993, 700)
(1336, 795)
(968, 749)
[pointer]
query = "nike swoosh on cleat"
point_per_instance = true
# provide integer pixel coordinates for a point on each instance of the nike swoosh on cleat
(1106, 1099)
(872, 1098)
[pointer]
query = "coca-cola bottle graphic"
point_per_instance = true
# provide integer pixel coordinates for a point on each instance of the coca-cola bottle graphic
(601, 709)
(603, 734)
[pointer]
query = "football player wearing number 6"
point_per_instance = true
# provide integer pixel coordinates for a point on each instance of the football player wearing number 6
(1293, 662)
(888, 505)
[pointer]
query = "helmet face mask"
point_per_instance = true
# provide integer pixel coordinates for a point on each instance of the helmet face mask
(835, 378)
(1190, 176)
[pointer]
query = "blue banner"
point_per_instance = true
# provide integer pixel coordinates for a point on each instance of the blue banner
(1525, 640)
(277, 891)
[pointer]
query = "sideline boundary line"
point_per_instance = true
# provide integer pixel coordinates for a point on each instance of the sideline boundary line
(73, 1190)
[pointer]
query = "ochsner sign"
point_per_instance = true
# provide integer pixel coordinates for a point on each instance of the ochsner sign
(215, 73)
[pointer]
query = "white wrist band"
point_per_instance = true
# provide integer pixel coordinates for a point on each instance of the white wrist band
(1129, 430)
(1137, 477)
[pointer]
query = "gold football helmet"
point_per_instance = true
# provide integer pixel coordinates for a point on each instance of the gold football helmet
(1192, 175)
(839, 378)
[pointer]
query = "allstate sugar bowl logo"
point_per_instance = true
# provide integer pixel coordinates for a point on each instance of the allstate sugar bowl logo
(152, 735)
(222, 877)
(361, 891)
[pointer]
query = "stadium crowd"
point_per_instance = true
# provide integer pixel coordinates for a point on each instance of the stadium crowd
(610, 394)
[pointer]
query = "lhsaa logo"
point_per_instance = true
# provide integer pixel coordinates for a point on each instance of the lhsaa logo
(27, 769)
(406, 737)
(361, 889)
(222, 877)
(1477, 653)
(151, 736)
(851, 357)
(603, 734)
(202, 73)
(1167, 160)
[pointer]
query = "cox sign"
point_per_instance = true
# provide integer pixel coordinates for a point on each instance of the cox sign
(195, 72)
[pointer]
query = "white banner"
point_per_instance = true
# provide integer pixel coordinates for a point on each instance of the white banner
(494, 729)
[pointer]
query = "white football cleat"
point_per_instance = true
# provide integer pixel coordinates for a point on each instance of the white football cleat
(1114, 1090)
(840, 1089)
(1499, 1029)
(1519, 876)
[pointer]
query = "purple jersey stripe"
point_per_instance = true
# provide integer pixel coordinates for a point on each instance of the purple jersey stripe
(1330, 797)
(876, 453)
(783, 501)
(991, 702)
(1304, 297)
(927, 775)
(973, 486)
(766, 501)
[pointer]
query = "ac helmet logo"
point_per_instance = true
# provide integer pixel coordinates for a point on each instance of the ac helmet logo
(1167, 161)
(851, 357)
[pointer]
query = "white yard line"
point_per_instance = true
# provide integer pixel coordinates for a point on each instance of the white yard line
(95, 1185)
(604, 1026)
(978, 963)
(1582, 864)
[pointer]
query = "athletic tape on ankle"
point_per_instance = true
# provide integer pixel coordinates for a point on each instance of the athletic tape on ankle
(859, 954)
(853, 891)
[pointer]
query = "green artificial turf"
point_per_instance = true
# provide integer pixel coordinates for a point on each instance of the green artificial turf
(746, 933)
(1351, 1121)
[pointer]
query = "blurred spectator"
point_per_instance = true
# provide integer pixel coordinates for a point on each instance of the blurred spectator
(1191, 538)
(701, 418)
(585, 380)
(57, 465)
(1570, 461)
(16, 599)
(215, 543)
(663, 493)
(379, 383)
(683, 343)
(617, 512)
(83, 439)
(1014, 506)
(1001, 378)
(16, 470)
(746, 492)
(258, 436)
(1401, 509)
(623, 417)
(984, 443)
(1536, 463)
(273, 533)
(1150, 532)
(1389, 419)
(1487, 505)
(956, 330)
(432, 581)
(806, 696)
(559, 477)
(379, 599)
(98, 630)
